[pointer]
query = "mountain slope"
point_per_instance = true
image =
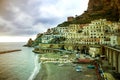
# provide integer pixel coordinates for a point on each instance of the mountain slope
(98, 9)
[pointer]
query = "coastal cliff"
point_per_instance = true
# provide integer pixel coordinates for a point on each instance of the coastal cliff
(98, 9)
(29, 43)
(109, 9)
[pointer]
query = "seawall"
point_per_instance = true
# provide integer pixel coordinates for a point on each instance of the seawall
(9, 51)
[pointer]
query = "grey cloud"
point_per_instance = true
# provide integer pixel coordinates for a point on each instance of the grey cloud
(4, 29)
(51, 20)
(25, 17)
(30, 8)
(24, 32)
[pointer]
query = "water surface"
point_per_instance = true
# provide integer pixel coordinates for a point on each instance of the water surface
(16, 65)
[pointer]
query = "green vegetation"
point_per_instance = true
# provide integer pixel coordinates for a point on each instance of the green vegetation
(64, 24)
(83, 21)
(96, 8)
(57, 40)
(37, 40)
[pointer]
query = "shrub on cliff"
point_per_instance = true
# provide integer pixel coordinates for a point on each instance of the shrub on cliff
(57, 40)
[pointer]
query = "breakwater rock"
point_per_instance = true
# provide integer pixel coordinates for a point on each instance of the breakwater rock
(8, 51)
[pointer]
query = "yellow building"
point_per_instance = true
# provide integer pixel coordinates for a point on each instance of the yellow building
(100, 32)
(97, 32)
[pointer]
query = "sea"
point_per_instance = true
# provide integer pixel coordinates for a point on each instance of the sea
(20, 65)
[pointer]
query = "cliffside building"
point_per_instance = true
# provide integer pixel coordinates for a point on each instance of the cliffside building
(97, 32)
(100, 32)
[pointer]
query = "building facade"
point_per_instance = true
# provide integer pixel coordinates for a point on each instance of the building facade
(97, 32)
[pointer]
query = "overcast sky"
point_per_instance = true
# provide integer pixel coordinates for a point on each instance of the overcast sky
(30, 17)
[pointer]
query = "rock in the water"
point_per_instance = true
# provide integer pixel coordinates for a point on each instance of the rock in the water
(29, 43)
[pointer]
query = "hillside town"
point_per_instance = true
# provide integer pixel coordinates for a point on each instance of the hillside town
(98, 40)
(97, 32)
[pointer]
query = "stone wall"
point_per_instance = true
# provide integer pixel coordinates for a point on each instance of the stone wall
(66, 46)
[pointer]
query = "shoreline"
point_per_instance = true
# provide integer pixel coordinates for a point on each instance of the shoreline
(50, 71)
(36, 69)
(41, 73)
(9, 51)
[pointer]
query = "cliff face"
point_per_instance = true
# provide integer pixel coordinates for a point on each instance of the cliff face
(109, 9)
(103, 4)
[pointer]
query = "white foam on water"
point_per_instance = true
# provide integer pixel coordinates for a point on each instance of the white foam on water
(36, 69)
